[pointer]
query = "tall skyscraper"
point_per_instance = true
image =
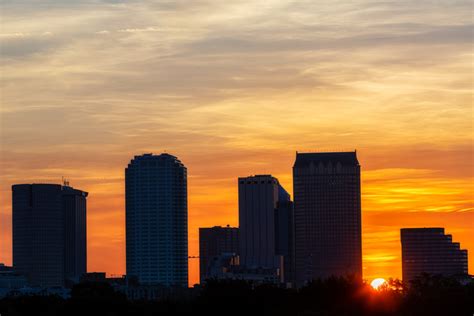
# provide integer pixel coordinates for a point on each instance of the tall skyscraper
(157, 220)
(49, 233)
(327, 215)
(213, 243)
(429, 250)
(75, 232)
(258, 199)
(285, 238)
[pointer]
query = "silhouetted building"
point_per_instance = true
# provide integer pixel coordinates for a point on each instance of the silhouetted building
(214, 242)
(101, 277)
(327, 215)
(285, 238)
(220, 266)
(159, 293)
(75, 233)
(258, 199)
(429, 250)
(256, 275)
(94, 277)
(9, 279)
(157, 220)
(49, 233)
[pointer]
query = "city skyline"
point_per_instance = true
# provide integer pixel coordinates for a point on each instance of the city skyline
(240, 179)
(235, 88)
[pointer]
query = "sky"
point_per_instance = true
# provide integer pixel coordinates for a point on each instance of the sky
(235, 88)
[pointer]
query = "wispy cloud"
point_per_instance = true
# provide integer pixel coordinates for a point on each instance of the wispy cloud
(136, 30)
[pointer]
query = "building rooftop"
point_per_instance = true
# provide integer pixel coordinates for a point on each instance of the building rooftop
(423, 230)
(65, 188)
(345, 158)
(151, 157)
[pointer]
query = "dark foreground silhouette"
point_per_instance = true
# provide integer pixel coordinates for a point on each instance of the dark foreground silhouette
(336, 296)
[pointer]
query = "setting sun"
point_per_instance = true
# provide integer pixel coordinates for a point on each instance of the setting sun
(377, 283)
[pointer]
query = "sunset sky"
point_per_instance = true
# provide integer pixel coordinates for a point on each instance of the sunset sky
(235, 88)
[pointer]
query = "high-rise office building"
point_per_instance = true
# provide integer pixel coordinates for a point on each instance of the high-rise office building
(285, 238)
(429, 250)
(49, 233)
(327, 202)
(214, 242)
(157, 220)
(258, 199)
(75, 232)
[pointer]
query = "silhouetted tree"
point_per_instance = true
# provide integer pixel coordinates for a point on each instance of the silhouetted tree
(437, 295)
(31, 305)
(99, 297)
(428, 295)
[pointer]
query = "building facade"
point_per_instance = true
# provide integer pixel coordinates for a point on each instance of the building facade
(10, 280)
(157, 220)
(49, 233)
(285, 238)
(258, 199)
(429, 250)
(75, 232)
(214, 243)
(327, 214)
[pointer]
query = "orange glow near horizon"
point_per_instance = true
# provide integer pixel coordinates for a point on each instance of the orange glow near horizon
(234, 88)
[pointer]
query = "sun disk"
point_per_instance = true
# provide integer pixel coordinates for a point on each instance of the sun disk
(377, 283)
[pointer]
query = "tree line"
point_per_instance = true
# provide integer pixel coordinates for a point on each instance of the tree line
(428, 295)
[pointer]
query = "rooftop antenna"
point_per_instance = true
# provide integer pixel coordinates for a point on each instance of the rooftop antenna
(65, 182)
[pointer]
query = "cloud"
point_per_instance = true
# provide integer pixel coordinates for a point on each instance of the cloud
(14, 35)
(22, 44)
(135, 30)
